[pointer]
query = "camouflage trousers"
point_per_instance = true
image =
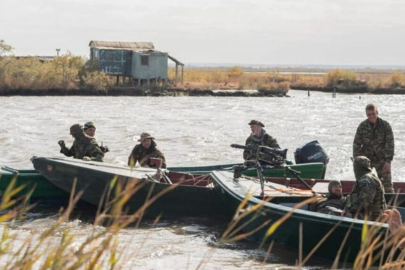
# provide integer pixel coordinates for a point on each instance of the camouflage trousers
(384, 176)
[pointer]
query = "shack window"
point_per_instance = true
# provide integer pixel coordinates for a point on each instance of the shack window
(145, 60)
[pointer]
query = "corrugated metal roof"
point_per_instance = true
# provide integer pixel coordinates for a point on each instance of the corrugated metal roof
(122, 45)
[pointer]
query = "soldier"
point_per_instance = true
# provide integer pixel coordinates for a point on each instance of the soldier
(258, 137)
(334, 203)
(90, 130)
(375, 140)
(84, 147)
(367, 196)
(144, 151)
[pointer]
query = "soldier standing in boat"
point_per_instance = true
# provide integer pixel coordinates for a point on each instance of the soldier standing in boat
(375, 140)
(143, 152)
(334, 203)
(258, 137)
(90, 130)
(367, 196)
(84, 147)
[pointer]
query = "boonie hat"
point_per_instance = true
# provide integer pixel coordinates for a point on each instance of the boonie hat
(255, 122)
(145, 136)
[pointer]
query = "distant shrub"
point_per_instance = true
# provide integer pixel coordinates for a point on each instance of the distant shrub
(217, 76)
(235, 72)
(341, 78)
(397, 79)
(64, 72)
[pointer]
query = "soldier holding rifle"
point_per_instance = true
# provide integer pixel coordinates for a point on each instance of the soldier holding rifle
(258, 137)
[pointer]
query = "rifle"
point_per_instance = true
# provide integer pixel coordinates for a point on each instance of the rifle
(268, 155)
(271, 156)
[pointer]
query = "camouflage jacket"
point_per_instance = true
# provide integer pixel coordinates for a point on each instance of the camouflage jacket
(265, 140)
(367, 196)
(375, 142)
(84, 146)
(142, 155)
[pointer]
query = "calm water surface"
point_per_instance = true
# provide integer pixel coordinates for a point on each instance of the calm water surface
(190, 131)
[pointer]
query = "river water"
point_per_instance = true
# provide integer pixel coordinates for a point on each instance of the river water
(191, 131)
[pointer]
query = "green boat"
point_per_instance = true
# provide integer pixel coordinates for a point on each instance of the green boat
(43, 191)
(330, 237)
(309, 170)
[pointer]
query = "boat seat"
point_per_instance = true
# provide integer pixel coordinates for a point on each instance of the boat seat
(303, 207)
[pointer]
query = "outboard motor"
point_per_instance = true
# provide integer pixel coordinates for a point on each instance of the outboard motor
(311, 152)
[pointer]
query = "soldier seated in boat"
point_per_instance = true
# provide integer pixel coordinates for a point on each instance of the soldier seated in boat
(90, 130)
(84, 147)
(258, 137)
(333, 203)
(143, 152)
(367, 196)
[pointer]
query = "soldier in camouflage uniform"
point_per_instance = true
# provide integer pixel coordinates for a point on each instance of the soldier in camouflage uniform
(84, 147)
(258, 137)
(334, 203)
(367, 196)
(90, 130)
(375, 140)
(144, 151)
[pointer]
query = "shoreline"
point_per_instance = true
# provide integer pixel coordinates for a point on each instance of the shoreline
(362, 90)
(133, 91)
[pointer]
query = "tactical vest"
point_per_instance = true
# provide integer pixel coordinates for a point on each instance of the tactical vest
(378, 205)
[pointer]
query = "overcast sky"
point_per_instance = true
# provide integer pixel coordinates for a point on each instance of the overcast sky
(268, 32)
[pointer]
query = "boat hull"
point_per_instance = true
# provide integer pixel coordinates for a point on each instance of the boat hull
(43, 191)
(326, 230)
(95, 179)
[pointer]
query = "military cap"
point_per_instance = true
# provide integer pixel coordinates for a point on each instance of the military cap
(333, 183)
(145, 136)
(362, 161)
(255, 122)
(76, 129)
(89, 125)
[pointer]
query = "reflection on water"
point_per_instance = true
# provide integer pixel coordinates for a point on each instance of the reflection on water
(192, 131)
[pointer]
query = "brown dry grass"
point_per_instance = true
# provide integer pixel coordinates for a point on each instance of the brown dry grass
(235, 78)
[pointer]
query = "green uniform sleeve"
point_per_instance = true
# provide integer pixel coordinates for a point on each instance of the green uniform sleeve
(271, 142)
(246, 152)
(357, 142)
(133, 157)
(69, 152)
(390, 145)
(95, 152)
(159, 154)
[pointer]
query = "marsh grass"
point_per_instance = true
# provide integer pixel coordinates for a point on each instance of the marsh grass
(345, 80)
(57, 246)
(67, 72)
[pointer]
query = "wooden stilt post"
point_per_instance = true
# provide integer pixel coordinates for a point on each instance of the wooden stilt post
(177, 66)
(182, 74)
